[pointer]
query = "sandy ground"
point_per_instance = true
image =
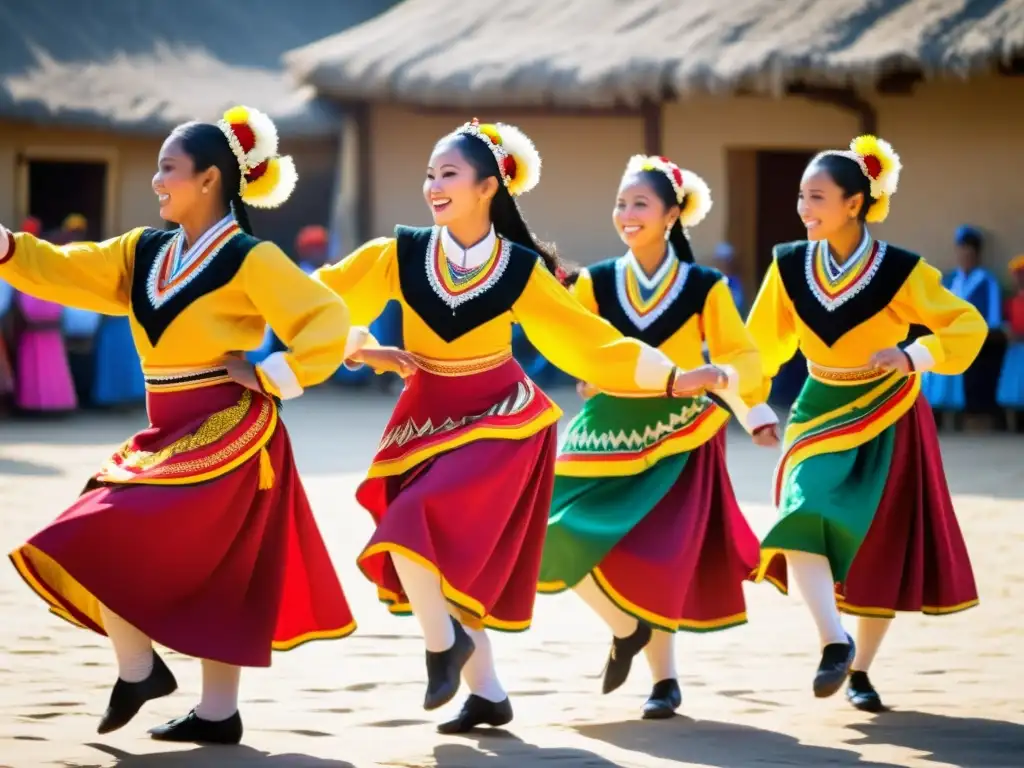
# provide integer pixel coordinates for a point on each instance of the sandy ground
(954, 683)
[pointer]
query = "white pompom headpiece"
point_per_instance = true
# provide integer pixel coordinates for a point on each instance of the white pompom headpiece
(693, 195)
(518, 160)
(267, 179)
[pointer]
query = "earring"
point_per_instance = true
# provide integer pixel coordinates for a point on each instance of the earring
(205, 190)
(668, 230)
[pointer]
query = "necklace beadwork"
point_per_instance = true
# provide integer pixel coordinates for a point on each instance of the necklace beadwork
(175, 266)
(644, 299)
(466, 283)
(833, 284)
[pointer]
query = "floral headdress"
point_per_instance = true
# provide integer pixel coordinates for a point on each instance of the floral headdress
(267, 179)
(517, 157)
(693, 195)
(881, 165)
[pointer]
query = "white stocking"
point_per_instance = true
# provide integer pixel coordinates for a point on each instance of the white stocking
(661, 656)
(429, 606)
(133, 649)
(813, 577)
(220, 691)
(870, 633)
(620, 623)
(480, 673)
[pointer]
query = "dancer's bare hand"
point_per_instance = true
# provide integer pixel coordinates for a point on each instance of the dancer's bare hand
(696, 382)
(387, 360)
(892, 359)
(766, 436)
(243, 372)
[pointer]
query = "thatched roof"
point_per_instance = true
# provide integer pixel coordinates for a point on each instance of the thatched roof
(146, 65)
(605, 52)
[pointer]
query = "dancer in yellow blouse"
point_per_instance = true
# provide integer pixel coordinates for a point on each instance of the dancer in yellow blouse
(644, 524)
(461, 483)
(196, 533)
(861, 494)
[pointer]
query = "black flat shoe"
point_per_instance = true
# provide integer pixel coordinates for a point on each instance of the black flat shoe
(834, 668)
(444, 669)
(862, 694)
(664, 700)
(193, 729)
(127, 698)
(620, 658)
(478, 711)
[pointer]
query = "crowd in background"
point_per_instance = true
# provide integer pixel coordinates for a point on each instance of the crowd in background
(57, 359)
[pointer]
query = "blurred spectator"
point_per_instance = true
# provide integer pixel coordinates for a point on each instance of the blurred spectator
(42, 378)
(78, 325)
(725, 262)
(311, 248)
(1010, 392)
(6, 372)
(975, 391)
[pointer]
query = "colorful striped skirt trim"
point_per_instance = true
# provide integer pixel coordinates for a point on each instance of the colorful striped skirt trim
(616, 436)
(875, 501)
(669, 546)
(226, 565)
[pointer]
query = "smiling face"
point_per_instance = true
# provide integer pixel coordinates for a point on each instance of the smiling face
(822, 205)
(641, 217)
(178, 187)
(451, 188)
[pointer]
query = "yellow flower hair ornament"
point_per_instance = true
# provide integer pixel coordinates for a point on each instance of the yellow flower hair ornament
(880, 163)
(518, 159)
(1017, 264)
(267, 179)
(693, 195)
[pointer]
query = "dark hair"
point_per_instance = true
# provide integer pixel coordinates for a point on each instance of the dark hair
(849, 177)
(667, 194)
(505, 214)
(206, 144)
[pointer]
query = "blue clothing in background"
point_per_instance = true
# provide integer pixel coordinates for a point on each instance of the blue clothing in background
(980, 288)
(118, 372)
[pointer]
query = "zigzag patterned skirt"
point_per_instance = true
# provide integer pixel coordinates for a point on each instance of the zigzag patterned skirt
(643, 504)
(461, 483)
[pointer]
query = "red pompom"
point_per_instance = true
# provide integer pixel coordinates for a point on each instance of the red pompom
(258, 171)
(244, 135)
(874, 166)
(509, 167)
(664, 159)
(677, 175)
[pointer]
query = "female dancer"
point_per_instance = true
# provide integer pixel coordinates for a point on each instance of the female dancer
(461, 483)
(644, 524)
(196, 533)
(865, 516)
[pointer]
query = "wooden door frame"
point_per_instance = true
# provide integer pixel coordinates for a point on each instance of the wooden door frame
(58, 153)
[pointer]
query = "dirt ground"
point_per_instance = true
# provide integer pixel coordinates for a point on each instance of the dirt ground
(954, 682)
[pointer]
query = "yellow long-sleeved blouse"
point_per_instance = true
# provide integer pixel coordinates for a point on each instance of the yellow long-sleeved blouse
(461, 304)
(192, 308)
(679, 309)
(838, 316)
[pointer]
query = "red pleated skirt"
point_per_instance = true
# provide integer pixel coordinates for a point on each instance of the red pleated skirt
(683, 565)
(198, 532)
(914, 557)
(471, 501)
